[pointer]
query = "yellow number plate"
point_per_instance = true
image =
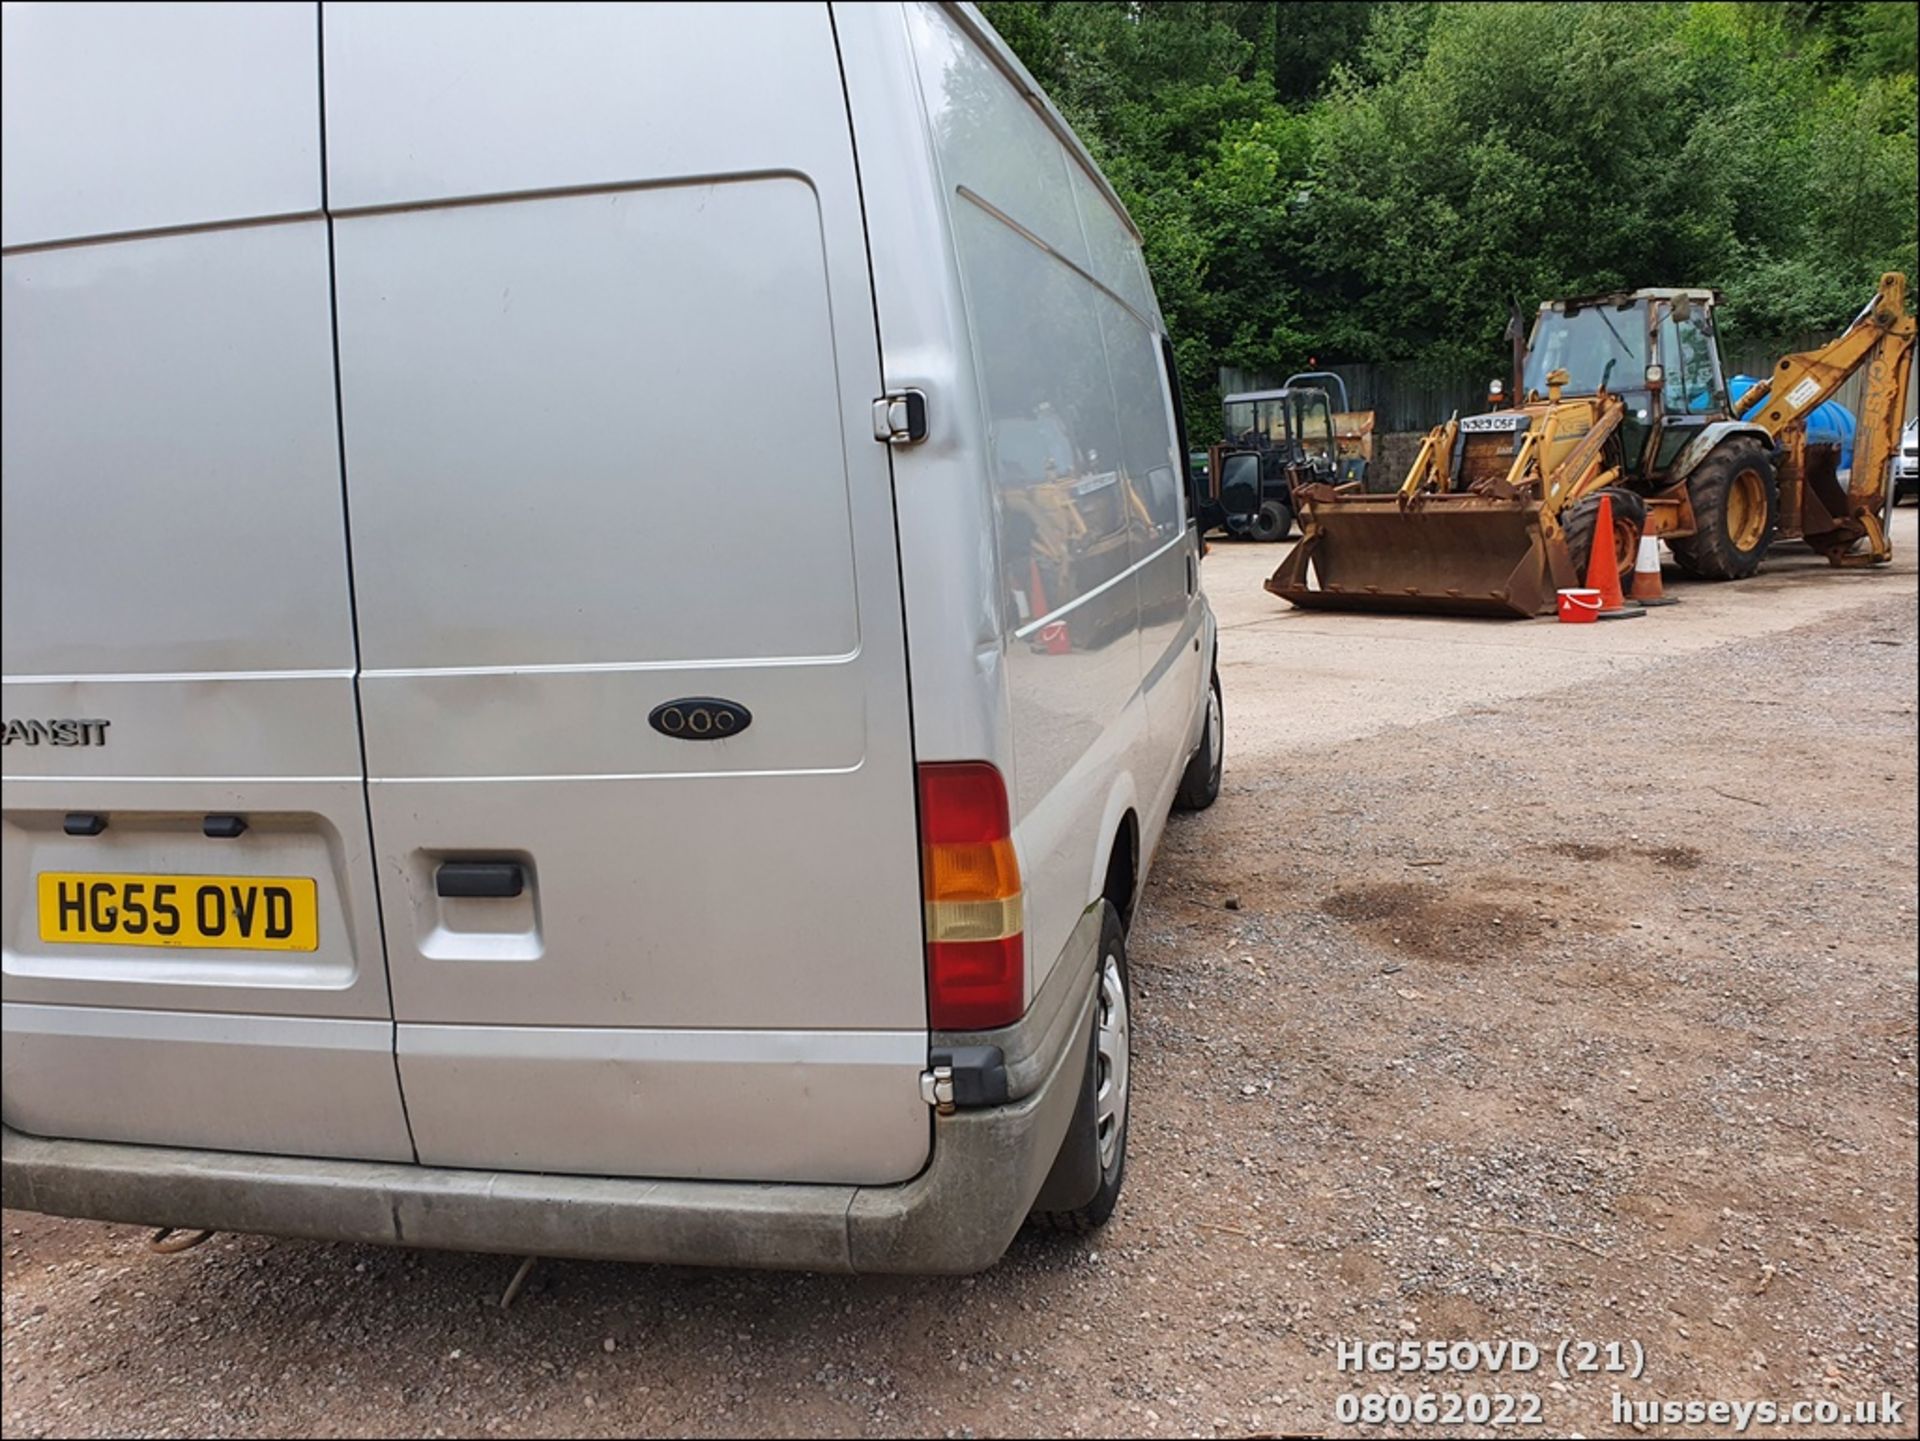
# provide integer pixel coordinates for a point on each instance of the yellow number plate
(238, 913)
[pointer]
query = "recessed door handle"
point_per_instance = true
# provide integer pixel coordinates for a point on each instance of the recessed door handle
(503, 879)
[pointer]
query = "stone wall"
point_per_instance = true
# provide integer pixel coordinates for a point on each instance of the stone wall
(1393, 455)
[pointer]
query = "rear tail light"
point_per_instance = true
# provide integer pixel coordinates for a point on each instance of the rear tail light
(970, 880)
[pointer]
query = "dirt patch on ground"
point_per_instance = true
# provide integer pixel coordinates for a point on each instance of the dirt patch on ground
(1489, 1044)
(1679, 858)
(1427, 921)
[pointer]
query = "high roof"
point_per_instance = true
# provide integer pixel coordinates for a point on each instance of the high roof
(982, 33)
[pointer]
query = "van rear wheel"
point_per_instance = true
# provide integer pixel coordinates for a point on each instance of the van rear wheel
(1084, 1186)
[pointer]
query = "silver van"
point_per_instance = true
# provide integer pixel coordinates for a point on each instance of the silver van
(601, 624)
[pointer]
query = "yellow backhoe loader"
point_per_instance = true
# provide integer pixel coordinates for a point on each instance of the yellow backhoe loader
(1622, 394)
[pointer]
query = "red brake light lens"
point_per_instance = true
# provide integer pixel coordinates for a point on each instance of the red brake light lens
(970, 880)
(962, 803)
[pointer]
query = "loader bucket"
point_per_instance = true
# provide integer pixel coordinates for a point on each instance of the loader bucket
(1454, 554)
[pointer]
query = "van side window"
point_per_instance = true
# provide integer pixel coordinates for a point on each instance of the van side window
(1065, 339)
(1146, 422)
(1057, 449)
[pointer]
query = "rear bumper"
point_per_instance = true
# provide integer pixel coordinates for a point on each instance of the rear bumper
(956, 1216)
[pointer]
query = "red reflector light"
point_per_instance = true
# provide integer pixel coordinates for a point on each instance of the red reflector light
(976, 985)
(970, 881)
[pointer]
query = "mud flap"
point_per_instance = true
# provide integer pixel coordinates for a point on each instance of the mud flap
(1437, 554)
(1074, 1179)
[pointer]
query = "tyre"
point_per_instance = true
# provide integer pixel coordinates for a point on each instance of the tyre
(1095, 1149)
(1273, 521)
(1735, 508)
(1629, 523)
(1200, 783)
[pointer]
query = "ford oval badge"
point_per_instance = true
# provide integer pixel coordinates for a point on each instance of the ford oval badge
(700, 718)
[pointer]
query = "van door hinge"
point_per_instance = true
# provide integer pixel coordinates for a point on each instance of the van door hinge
(936, 1089)
(900, 418)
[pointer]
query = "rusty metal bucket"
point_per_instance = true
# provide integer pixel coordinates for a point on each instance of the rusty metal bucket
(1453, 554)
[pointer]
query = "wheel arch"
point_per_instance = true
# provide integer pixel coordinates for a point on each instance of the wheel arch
(1116, 875)
(1710, 440)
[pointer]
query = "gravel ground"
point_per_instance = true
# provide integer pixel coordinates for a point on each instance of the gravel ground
(1586, 1015)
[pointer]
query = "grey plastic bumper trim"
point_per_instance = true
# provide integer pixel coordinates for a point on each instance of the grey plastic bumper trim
(1030, 1046)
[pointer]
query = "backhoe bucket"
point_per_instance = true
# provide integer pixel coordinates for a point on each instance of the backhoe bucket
(1454, 554)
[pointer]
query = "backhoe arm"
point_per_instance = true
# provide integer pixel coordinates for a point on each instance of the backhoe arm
(1432, 467)
(1581, 471)
(1881, 339)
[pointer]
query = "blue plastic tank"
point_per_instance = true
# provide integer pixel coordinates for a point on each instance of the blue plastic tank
(1828, 423)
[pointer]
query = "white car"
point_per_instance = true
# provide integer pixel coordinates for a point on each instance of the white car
(538, 718)
(1906, 465)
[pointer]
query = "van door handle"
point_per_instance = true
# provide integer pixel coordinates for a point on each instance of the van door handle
(479, 878)
(1190, 574)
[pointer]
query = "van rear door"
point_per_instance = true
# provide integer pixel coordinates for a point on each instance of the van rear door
(192, 954)
(608, 362)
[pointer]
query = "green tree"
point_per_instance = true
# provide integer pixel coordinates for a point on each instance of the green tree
(1382, 181)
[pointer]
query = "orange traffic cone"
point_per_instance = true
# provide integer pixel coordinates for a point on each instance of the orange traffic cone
(1647, 587)
(1053, 639)
(1603, 567)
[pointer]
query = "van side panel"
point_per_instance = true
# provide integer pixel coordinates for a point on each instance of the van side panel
(957, 654)
(1168, 566)
(1070, 595)
(1094, 571)
(609, 445)
(1171, 618)
(175, 566)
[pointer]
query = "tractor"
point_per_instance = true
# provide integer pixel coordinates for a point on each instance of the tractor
(1276, 441)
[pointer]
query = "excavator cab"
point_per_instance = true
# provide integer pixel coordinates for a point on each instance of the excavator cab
(1601, 347)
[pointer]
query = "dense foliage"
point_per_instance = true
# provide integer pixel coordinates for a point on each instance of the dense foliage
(1367, 182)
